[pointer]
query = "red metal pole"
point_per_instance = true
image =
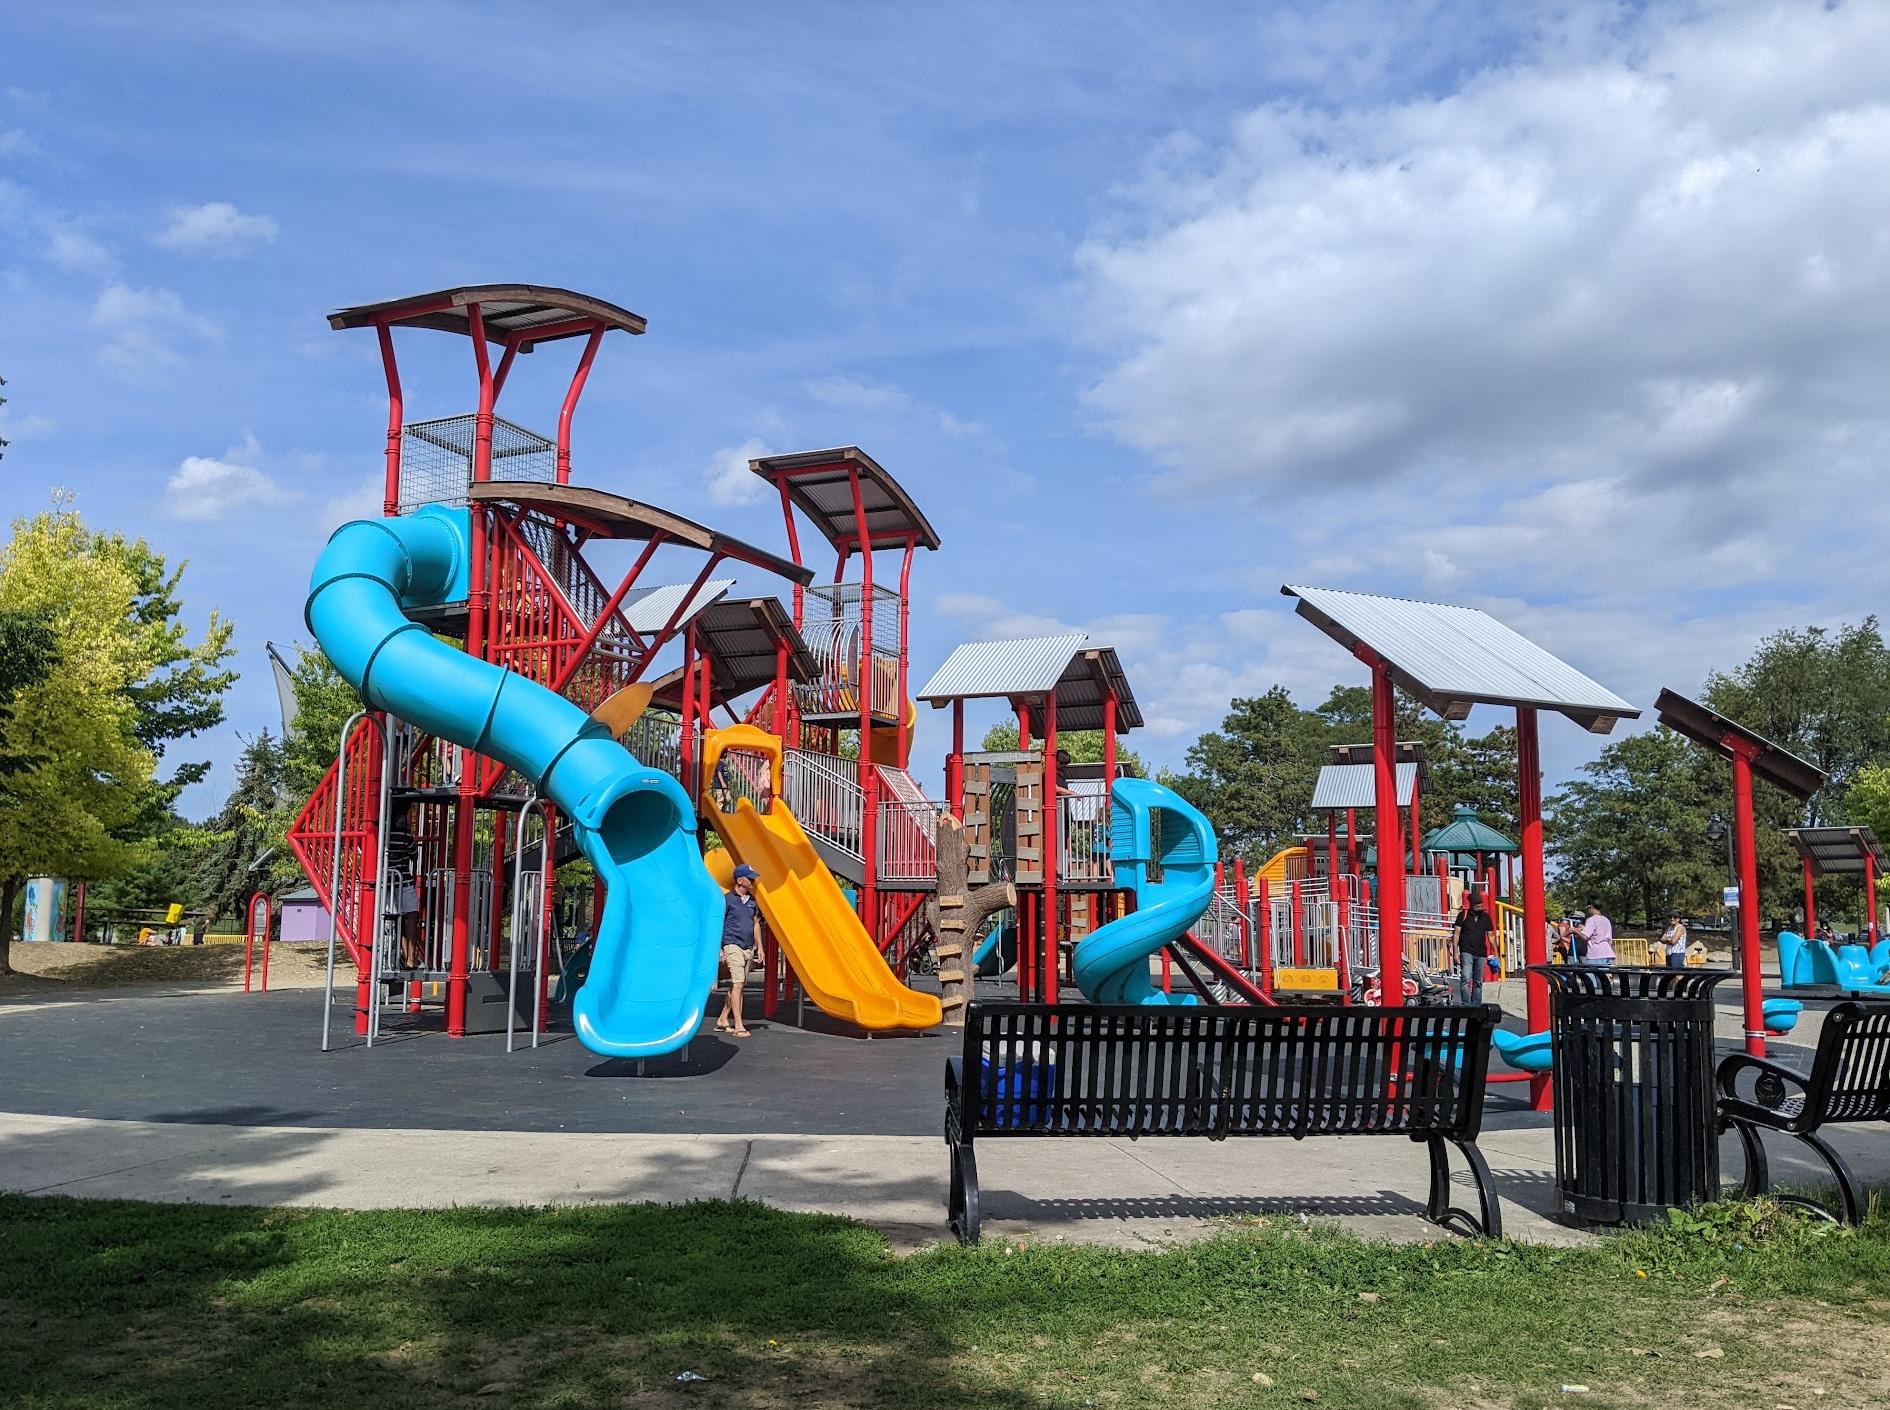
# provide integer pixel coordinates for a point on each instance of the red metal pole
(460, 963)
(687, 740)
(1351, 842)
(1052, 849)
(1023, 724)
(1390, 837)
(267, 916)
(1344, 944)
(1241, 898)
(780, 691)
(869, 776)
(955, 765)
(1747, 843)
(794, 546)
(1535, 906)
(390, 498)
(1332, 852)
(571, 396)
(1811, 903)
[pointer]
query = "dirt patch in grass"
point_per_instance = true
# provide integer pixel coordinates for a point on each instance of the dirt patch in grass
(66, 968)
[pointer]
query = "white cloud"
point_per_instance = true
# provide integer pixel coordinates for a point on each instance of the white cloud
(213, 228)
(1652, 254)
(204, 488)
(76, 250)
(30, 427)
(142, 326)
(728, 481)
(364, 500)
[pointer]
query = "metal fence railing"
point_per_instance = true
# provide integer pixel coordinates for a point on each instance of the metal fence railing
(824, 792)
(906, 841)
(1083, 838)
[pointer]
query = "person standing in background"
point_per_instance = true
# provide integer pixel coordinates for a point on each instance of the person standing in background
(1598, 937)
(1674, 937)
(1470, 933)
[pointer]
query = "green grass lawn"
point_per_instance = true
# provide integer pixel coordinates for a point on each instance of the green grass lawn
(117, 1304)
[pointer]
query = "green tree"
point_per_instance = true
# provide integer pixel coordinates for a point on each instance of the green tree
(237, 842)
(1254, 776)
(1866, 804)
(1823, 694)
(1630, 834)
(127, 681)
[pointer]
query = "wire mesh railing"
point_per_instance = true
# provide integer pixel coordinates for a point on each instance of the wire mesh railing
(834, 628)
(436, 458)
(1083, 838)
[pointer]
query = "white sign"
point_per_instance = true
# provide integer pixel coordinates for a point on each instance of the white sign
(1729, 898)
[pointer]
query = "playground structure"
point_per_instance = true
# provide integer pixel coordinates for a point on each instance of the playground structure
(519, 719)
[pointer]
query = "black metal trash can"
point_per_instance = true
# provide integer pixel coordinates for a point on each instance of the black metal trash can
(1635, 1130)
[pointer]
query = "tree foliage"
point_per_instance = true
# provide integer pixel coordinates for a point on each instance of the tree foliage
(1254, 776)
(235, 859)
(123, 680)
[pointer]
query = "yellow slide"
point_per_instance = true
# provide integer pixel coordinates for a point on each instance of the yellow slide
(833, 956)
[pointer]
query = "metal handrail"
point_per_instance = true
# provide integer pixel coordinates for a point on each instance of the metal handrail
(547, 847)
(907, 840)
(824, 792)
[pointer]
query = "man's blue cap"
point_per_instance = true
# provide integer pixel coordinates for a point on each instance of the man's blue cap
(745, 870)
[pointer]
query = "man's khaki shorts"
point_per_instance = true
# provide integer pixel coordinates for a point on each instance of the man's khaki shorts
(736, 960)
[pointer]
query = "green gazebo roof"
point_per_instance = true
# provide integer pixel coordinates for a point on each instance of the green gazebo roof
(1466, 834)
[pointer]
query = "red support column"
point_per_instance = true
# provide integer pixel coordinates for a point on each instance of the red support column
(390, 498)
(686, 741)
(1747, 845)
(780, 691)
(1241, 897)
(1265, 938)
(1535, 903)
(869, 776)
(1390, 837)
(1332, 853)
(1811, 903)
(1052, 850)
(1344, 941)
(571, 396)
(955, 765)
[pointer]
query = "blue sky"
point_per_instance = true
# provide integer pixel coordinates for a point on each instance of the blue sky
(1572, 312)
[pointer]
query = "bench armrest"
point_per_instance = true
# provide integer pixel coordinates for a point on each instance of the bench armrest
(1770, 1084)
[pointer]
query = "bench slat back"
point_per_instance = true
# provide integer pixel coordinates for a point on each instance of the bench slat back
(1299, 1071)
(1850, 1074)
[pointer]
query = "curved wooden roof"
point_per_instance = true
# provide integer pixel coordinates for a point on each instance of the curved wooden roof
(613, 517)
(521, 314)
(820, 484)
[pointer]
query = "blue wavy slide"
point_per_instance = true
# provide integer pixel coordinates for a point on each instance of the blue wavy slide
(657, 941)
(1111, 964)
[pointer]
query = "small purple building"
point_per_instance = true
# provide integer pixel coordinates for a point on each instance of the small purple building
(304, 917)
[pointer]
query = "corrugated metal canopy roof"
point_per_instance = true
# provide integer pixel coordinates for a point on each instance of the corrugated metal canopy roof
(740, 639)
(820, 483)
(1454, 657)
(647, 609)
(1031, 668)
(1837, 850)
(1356, 786)
(1704, 725)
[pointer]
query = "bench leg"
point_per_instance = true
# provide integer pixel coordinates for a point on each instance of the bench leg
(1850, 1207)
(1438, 1208)
(962, 1207)
(1758, 1170)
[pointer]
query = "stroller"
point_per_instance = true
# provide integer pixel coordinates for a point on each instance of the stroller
(1423, 988)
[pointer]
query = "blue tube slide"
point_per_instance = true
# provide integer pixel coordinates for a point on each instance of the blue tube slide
(1148, 824)
(658, 939)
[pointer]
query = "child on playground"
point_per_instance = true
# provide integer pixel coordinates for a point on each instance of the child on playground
(738, 948)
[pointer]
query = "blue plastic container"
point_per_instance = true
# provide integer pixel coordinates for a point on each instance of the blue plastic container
(1019, 1091)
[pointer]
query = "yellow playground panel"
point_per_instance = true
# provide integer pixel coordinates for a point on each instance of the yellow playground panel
(1300, 980)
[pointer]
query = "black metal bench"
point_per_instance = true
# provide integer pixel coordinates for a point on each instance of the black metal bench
(1849, 1082)
(1078, 1070)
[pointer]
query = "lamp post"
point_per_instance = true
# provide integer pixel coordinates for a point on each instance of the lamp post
(1717, 831)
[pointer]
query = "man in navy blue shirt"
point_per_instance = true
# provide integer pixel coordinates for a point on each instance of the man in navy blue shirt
(738, 948)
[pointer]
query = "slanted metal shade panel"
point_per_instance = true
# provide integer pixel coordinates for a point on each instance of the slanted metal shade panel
(1454, 657)
(819, 482)
(1840, 850)
(648, 609)
(1356, 786)
(982, 670)
(1083, 685)
(505, 310)
(1704, 725)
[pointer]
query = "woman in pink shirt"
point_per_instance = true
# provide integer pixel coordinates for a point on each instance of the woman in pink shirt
(1598, 930)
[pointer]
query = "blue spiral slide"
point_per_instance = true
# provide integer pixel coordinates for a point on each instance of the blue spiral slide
(1148, 824)
(657, 941)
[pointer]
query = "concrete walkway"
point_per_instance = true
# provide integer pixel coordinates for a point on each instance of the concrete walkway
(1114, 1192)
